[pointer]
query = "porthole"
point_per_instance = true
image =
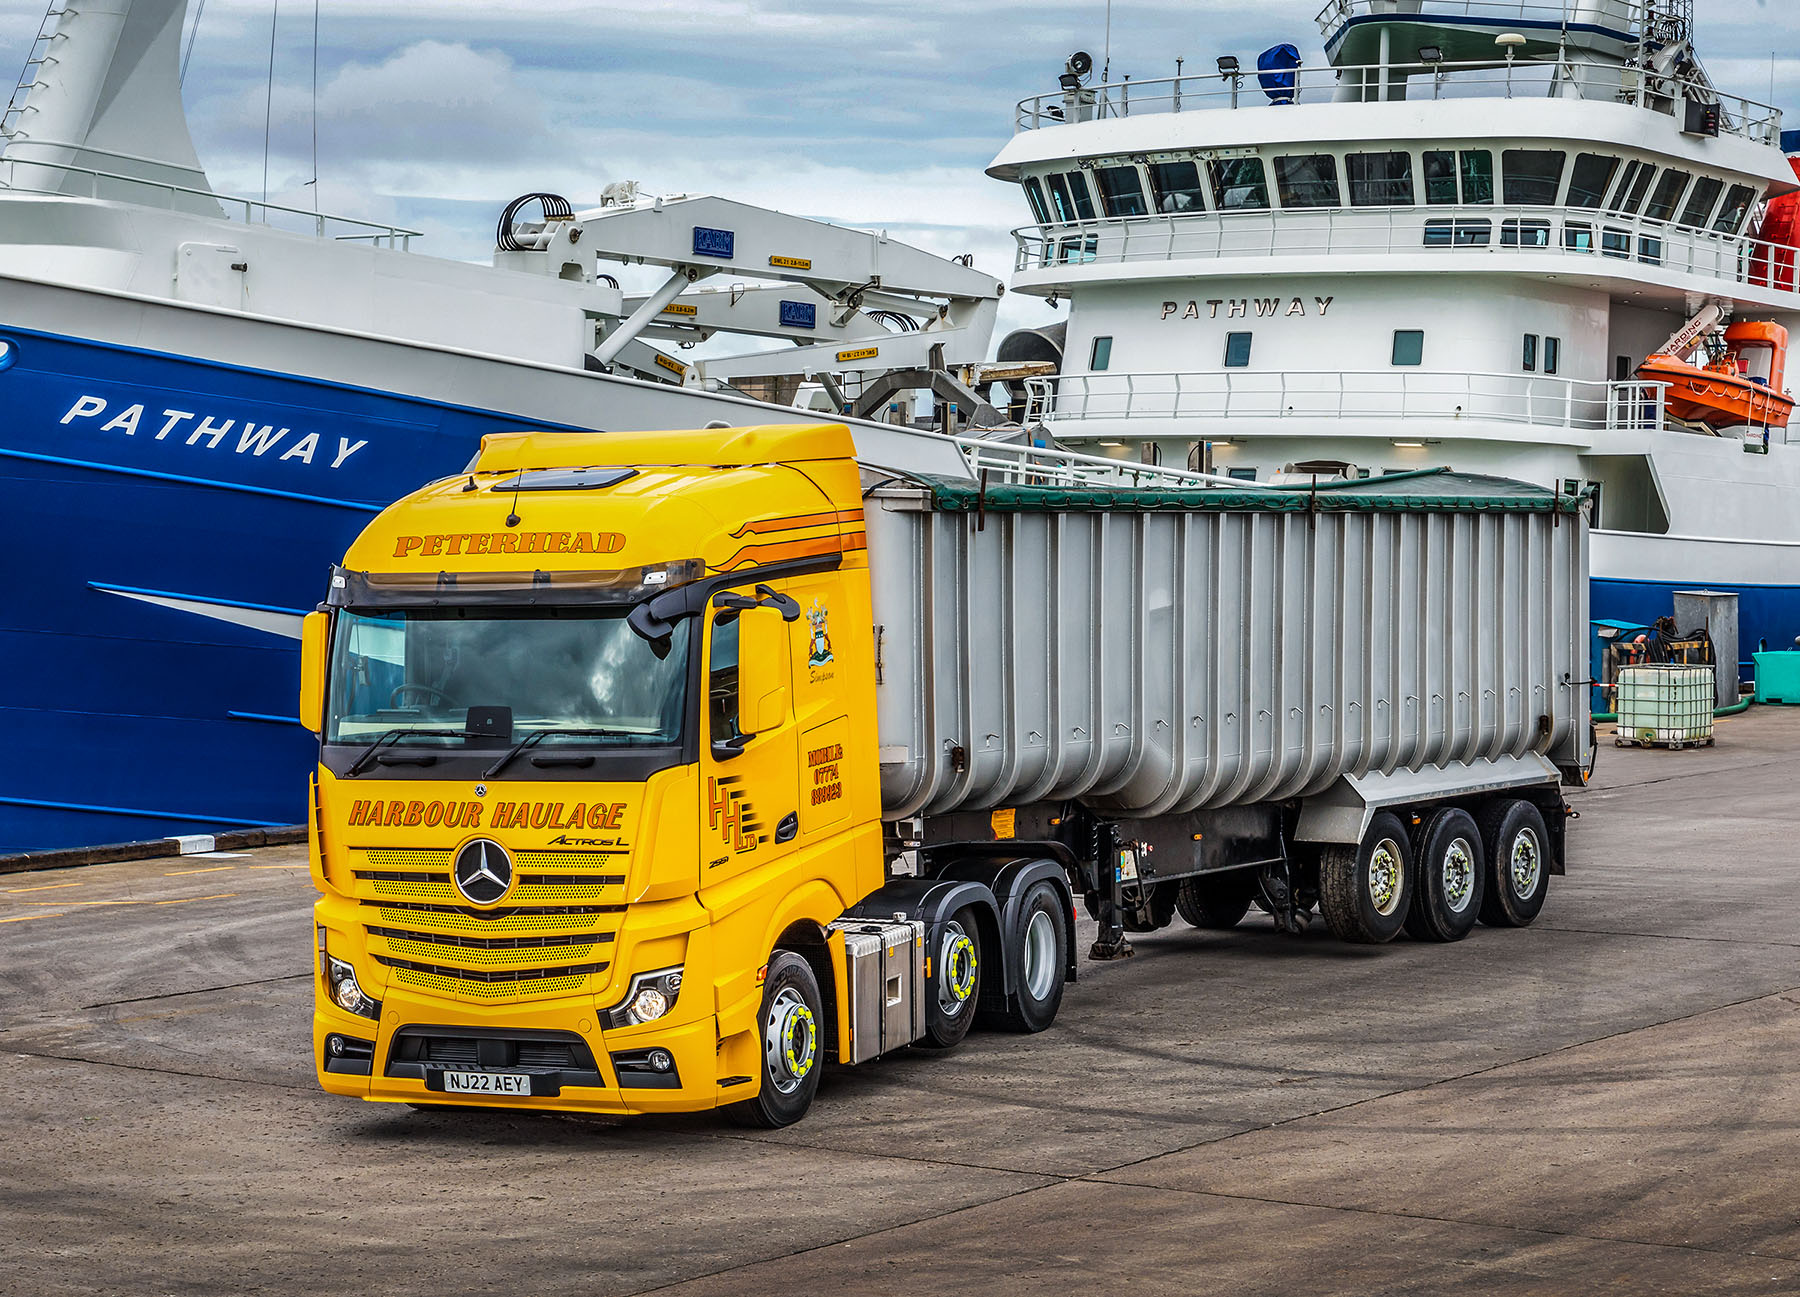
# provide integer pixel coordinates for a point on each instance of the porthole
(9, 354)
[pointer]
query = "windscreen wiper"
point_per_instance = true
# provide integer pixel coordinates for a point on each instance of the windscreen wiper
(393, 736)
(532, 739)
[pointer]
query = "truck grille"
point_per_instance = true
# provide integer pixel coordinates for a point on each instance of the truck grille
(417, 1049)
(547, 939)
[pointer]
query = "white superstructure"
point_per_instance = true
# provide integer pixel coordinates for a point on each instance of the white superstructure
(1454, 244)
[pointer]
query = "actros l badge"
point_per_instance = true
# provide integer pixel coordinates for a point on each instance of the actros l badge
(483, 871)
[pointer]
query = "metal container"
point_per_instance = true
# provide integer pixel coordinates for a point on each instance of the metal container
(885, 966)
(1717, 612)
(1208, 648)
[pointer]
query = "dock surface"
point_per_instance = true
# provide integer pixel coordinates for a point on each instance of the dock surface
(1607, 1100)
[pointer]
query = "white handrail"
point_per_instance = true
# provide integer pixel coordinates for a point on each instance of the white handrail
(1486, 78)
(379, 232)
(1407, 394)
(1475, 230)
(1049, 465)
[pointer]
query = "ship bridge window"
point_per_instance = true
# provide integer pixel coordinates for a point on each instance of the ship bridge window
(1121, 192)
(1701, 200)
(1084, 201)
(1307, 180)
(1667, 195)
(1578, 237)
(1239, 184)
(1633, 188)
(1069, 199)
(1590, 178)
(1380, 179)
(1409, 346)
(1237, 350)
(1441, 173)
(1531, 177)
(1737, 206)
(1101, 356)
(1034, 194)
(1177, 186)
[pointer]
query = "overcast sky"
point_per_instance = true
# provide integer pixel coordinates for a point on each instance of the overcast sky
(879, 113)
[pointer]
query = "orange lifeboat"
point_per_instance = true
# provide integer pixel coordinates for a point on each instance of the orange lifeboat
(1741, 385)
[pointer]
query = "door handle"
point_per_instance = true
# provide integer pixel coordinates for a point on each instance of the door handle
(788, 828)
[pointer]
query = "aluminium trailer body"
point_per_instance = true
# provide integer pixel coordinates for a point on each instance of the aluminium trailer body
(1199, 697)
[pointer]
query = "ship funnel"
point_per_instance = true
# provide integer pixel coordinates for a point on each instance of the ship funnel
(103, 117)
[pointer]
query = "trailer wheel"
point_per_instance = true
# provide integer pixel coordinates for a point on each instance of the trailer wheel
(1518, 852)
(793, 1055)
(1451, 871)
(952, 982)
(1042, 956)
(1217, 901)
(1364, 890)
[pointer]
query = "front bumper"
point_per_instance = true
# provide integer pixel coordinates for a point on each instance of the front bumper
(572, 1064)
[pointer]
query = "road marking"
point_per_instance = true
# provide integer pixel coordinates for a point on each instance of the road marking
(27, 918)
(48, 887)
(219, 855)
(296, 865)
(216, 869)
(222, 896)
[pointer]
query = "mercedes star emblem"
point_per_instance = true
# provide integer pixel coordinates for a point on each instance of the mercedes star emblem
(483, 871)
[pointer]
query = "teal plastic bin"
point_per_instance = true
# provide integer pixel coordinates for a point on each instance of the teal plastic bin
(1778, 677)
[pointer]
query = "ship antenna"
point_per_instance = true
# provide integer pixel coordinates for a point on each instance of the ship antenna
(314, 182)
(1106, 49)
(269, 104)
(199, 13)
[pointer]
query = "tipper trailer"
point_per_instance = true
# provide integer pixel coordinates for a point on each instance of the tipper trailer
(658, 770)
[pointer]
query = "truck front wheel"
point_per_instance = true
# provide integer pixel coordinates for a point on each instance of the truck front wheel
(792, 1052)
(1364, 891)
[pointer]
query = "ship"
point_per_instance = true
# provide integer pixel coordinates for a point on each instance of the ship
(204, 398)
(1518, 237)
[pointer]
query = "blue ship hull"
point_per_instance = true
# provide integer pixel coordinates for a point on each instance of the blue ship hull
(1766, 613)
(169, 520)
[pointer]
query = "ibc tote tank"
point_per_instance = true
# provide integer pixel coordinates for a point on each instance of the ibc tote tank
(1157, 652)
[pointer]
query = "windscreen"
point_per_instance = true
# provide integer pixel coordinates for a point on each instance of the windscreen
(458, 677)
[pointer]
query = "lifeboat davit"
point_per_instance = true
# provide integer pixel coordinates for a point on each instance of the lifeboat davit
(1744, 386)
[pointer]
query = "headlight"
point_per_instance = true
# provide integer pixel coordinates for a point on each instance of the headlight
(346, 992)
(651, 996)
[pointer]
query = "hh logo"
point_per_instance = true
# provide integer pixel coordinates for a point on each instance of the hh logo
(731, 816)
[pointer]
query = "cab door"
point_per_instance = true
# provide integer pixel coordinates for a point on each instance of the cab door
(749, 802)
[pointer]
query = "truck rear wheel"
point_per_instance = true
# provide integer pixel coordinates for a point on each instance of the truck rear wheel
(1518, 853)
(1042, 957)
(792, 1052)
(1364, 890)
(1217, 901)
(1451, 871)
(952, 981)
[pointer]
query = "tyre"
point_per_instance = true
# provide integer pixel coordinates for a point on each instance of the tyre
(1518, 853)
(1450, 870)
(792, 1053)
(1217, 900)
(1039, 962)
(952, 982)
(1364, 891)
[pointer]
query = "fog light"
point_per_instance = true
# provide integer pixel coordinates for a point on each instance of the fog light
(334, 1045)
(652, 996)
(660, 1060)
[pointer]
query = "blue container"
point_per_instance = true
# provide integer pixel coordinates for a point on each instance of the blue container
(1778, 677)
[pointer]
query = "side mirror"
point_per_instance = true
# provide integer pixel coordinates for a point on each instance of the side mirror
(315, 637)
(763, 671)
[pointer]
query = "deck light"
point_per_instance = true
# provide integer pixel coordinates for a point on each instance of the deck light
(1431, 54)
(1228, 65)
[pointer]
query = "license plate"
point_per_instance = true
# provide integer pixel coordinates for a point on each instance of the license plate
(487, 1082)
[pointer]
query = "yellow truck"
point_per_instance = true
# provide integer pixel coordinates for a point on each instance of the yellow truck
(659, 770)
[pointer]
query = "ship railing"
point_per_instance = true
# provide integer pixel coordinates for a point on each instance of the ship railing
(1371, 82)
(26, 175)
(1005, 458)
(1388, 395)
(1620, 15)
(1575, 233)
